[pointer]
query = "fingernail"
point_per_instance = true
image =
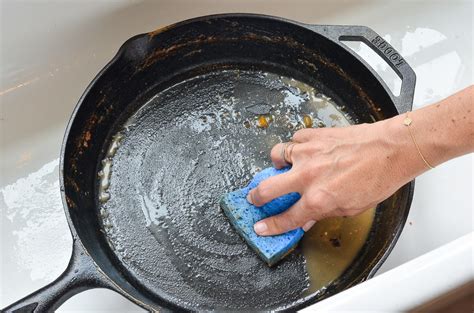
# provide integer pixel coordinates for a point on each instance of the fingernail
(308, 225)
(260, 228)
(249, 198)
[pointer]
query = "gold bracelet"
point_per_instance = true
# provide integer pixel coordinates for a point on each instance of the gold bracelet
(407, 122)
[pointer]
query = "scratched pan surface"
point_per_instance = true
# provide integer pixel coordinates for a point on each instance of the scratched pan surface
(171, 123)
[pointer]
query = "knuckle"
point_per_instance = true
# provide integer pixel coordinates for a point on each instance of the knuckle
(285, 223)
(324, 199)
(299, 135)
(262, 192)
(313, 203)
(313, 171)
(298, 149)
(315, 148)
(275, 226)
(265, 188)
(319, 200)
(303, 134)
(307, 174)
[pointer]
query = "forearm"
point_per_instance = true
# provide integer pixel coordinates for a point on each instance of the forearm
(443, 130)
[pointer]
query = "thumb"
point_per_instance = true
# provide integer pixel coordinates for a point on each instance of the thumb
(296, 216)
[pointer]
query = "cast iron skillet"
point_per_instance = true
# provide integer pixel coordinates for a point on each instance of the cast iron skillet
(170, 162)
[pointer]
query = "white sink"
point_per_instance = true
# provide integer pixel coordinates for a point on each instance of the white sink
(51, 50)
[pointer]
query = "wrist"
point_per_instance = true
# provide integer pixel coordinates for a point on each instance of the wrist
(402, 155)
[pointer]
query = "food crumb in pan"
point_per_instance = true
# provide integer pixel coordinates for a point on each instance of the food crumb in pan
(336, 242)
(307, 121)
(263, 121)
(104, 196)
(321, 124)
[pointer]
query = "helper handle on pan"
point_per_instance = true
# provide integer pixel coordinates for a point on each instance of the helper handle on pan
(337, 33)
(80, 274)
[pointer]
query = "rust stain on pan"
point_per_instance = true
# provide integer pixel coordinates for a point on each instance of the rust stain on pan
(163, 53)
(84, 141)
(71, 182)
(102, 100)
(70, 203)
(87, 138)
(192, 53)
(73, 165)
(157, 31)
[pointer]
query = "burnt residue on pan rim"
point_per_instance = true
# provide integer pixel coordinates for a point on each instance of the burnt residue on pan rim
(162, 53)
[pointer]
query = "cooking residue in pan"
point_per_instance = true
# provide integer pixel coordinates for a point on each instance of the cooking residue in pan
(183, 149)
(331, 245)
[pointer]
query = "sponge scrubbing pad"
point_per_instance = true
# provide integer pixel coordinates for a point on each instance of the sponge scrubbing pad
(244, 215)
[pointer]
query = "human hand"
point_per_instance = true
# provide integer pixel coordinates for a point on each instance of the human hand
(337, 171)
(344, 171)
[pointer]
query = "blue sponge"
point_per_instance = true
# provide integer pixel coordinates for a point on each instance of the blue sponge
(244, 215)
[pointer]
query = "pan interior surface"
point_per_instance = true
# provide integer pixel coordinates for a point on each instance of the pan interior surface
(166, 167)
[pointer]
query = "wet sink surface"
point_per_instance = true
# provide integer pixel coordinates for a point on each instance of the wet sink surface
(50, 52)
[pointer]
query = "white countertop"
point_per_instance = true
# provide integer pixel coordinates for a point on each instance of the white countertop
(50, 51)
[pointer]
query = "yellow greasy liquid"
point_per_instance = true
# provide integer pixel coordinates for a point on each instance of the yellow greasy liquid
(332, 244)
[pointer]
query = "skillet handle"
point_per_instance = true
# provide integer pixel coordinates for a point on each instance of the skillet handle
(338, 33)
(80, 274)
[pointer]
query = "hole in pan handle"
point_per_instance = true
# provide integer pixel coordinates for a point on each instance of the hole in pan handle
(81, 274)
(338, 33)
